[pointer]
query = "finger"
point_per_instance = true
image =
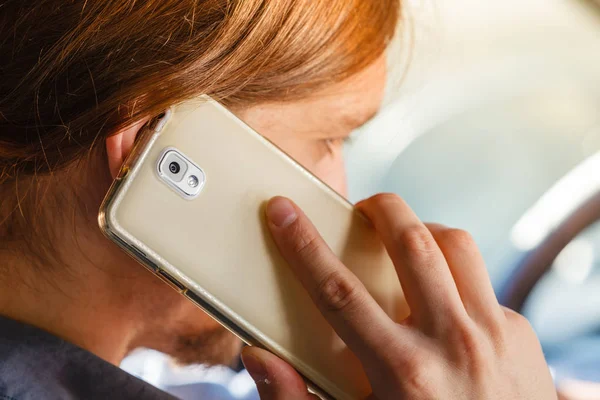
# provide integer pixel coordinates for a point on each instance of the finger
(338, 293)
(274, 378)
(470, 274)
(423, 272)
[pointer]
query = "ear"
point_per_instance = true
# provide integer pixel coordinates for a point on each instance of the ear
(120, 144)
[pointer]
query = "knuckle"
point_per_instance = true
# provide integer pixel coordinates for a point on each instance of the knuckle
(458, 238)
(416, 240)
(386, 198)
(337, 292)
(475, 351)
(472, 345)
(405, 365)
(303, 242)
(383, 201)
(518, 322)
(416, 376)
(413, 372)
(418, 382)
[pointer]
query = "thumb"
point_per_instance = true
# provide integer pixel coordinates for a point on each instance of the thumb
(274, 378)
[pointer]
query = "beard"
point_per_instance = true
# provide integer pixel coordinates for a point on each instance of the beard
(206, 343)
(217, 346)
(175, 326)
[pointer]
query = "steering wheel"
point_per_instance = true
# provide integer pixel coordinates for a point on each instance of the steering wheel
(529, 272)
(538, 261)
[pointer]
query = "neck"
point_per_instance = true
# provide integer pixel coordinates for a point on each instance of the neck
(80, 307)
(76, 294)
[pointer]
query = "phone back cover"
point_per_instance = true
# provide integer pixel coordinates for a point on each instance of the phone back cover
(218, 247)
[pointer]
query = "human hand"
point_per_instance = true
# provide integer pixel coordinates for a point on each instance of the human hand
(458, 342)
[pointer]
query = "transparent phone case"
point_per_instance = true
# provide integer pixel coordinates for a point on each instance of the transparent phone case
(215, 249)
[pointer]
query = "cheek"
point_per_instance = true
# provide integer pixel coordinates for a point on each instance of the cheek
(327, 165)
(311, 153)
(332, 170)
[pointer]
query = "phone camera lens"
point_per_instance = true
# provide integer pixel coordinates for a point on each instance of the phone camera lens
(193, 181)
(174, 167)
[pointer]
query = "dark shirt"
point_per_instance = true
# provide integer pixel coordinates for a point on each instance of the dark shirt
(35, 365)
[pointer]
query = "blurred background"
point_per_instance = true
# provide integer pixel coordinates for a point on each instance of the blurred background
(491, 124)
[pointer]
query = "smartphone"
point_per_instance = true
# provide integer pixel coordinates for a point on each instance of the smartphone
(189, 203)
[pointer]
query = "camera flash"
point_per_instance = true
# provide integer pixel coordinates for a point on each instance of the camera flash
(193, 181)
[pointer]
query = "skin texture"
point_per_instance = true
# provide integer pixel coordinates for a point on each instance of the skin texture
(131, 308)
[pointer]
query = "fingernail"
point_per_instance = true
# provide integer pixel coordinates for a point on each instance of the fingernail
(255, 368)
(281, 212)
